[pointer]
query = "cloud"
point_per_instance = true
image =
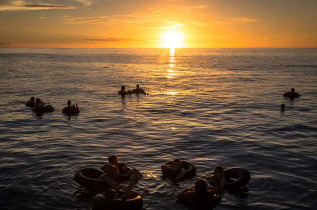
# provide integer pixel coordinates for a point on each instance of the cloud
(5, 44)
(86, 2)
(85, 20)
(243, 20)
(111, 39)
(18, 5)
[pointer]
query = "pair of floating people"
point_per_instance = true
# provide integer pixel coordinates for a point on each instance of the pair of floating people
(113, 195)
(39, 107)
(71, 109)
(107, 182)
(137, 91)
(201, 195)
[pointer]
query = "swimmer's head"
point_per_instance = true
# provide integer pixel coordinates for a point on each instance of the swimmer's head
(38, 101)
(200, 187)
(32, 99)
(293, 90)
(122, 87)
(69, 102)
(113, 159)
(137, 86)
(177, 162)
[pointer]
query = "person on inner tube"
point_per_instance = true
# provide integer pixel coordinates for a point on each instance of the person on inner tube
(200, 192)
(123, 169)
(176, 168)
(138, 90)
(222, 176)
(113, 193)
(123, 92)
(31, 102)
(291, 94)
(110, 175)
(39, 102)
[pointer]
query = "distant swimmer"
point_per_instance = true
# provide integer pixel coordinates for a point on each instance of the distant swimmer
(41, 107)
(282, 107)
(71, 110)
(31, 102)
(123, 92)
(138, 90)
(291, 94)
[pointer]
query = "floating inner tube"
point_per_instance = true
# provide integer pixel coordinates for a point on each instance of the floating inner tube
(88, 178)
(30, 104)
(236, 177)
(72, 110)
(291, 95)
(201, 203)
(134, 202)
(43, 108)
(189, 167)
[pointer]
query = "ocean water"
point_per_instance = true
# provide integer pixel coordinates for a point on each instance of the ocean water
(207, 106)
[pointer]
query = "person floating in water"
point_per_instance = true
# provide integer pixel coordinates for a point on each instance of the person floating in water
(41, 107)
(127, 191)
(123, 92)
(138, 90)
(201, 195)
(123, 169)
(176, 169)
(31, 102)
(233, 178)
(110, 176)
(291, 94)
(71, 110)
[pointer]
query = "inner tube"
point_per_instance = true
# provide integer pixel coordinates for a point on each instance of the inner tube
(201, 203)
(30, 104)
(189, 167)
(291, 95)
(43, 108)
(134, 202)
(88, 178)
(72, 110)
(241, 176)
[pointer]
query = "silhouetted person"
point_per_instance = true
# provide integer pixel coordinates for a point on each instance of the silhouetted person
(199, 196)
(138, 90)
(41, 107)
(71, 110)
(291, 94)
(123, 92)
(31, 102)
(123, 169)
(176, 168)
(282, 107)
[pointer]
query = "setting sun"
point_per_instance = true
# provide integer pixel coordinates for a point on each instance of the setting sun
(172, 39)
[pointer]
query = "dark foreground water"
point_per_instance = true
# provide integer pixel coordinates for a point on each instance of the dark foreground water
(206, 106)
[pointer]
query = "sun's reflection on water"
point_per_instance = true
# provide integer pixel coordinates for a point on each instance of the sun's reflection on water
(171, 74)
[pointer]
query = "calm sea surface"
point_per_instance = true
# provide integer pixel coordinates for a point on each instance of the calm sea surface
(207, 106)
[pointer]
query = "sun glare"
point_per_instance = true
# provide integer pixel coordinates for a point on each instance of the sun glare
(172, 39)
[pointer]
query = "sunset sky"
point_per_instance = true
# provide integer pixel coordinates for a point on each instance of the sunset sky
(158, 23)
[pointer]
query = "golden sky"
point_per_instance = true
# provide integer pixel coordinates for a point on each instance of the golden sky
(158, 23)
